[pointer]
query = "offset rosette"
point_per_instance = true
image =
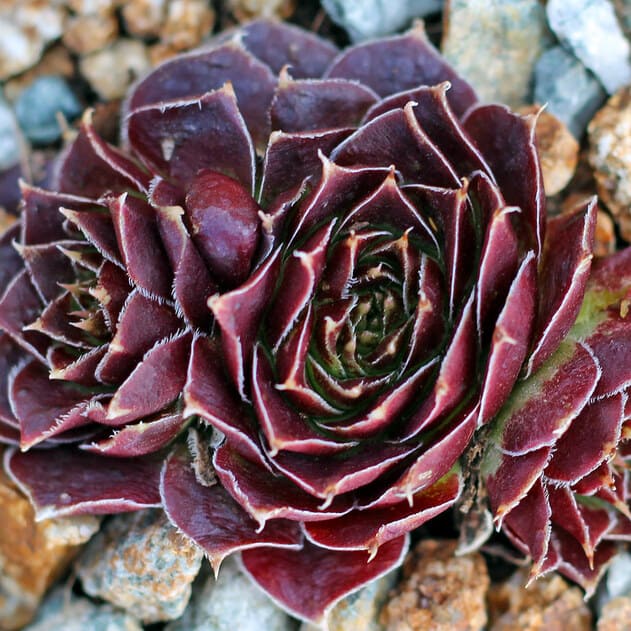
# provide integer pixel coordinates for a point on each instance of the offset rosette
(332, 266)
(558, 470)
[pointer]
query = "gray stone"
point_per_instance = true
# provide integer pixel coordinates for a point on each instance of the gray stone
(494, 44)
(9, 137)
(375, 18)
(38, 105)
(62, 611)
(617, 581)
(229, 604)
(589, 28)
(360, 610)
(140, 563)
(571, 92)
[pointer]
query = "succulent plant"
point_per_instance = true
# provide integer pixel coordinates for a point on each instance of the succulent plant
(283, 306)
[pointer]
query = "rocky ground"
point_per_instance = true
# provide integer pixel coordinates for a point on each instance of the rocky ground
(134, 571)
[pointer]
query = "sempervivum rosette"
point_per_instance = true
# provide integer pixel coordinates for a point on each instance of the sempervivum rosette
(334, 264)
(557, 468)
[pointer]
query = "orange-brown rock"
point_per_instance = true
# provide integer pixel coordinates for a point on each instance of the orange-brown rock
(187, 23)
(558, 149)
(548, 604)
(249, 9)
(88, 33)
(616, 615)
(32, 556)
(439, 591)
(610, 156)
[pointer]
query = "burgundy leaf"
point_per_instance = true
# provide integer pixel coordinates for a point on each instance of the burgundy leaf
(308, 582)
(45, 407)
(78, 483)
(511, 479)
(439, 122)
(224, 225)
(10, 260)
(396, 138)
(155, 382)
(238, 314)
(369, 529)
(454, 378)
(283, 427)
(542, 409)
(507, 142)
(388, 407)
(432, 463)
(309, 105)
(98, 230)
(192, 283)
(142, 438)
(141, 324)
(268, 496)
(388, 200)
(189, 76)
(530, 522)
(566, 262)
(179, 138)
(19, 307)
(511, 337)
(594, 434)
(209, 394)
(499, 262)
(212, 519)
(339, 473)
(139, 243)
(402, 62)
(68, 367)
(279, 44)
(302, 273)
(290, 158)
(91, 167)
(10, 356)
(41, 220)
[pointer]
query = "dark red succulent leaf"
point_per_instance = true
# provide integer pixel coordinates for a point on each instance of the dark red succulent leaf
(298, 287)
(558, 455)
(211, 517)
(75, 483)
(308, 582)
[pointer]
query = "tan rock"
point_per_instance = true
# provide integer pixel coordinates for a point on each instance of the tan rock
(93, 7)
(32, 555)
(161, 52)
(610, 156)
(439, 591)
(56, 60)
(549, 604)
(249, 9)
(112, 70)
(88, 33)
(558, 149)
(25, 29)
(144, 18)
(616, 615)
(187, 23)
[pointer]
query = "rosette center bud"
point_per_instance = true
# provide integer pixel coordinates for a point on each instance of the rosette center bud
(224, 225)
